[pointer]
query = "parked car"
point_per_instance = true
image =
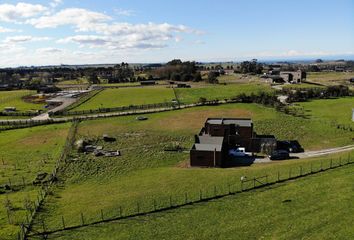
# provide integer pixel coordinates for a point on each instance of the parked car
(292, 146)
(238, 152)
(279, 155)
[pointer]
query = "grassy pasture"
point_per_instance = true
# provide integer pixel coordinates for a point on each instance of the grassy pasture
(238, 78)
(330, 78)
(118, 97)
(301, 86)
(338, 110)
(145, 171)
(192, 95)
(14, 99)
(308, 208)
(23, 154)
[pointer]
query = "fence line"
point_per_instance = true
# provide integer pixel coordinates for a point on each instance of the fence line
(26, 226)
(187, 198)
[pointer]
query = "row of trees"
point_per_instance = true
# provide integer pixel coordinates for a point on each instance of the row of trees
(176, 70)
(301, 95)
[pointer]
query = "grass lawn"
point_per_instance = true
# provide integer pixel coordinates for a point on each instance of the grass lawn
(330, 78)
(309, 208)
(118, 97)
(339, 110)
(23, 154)
(14, 99)
(301, 86)
(145, 171)
(212, 92)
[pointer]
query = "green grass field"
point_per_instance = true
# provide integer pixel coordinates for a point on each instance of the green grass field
(23, 154)
(119, 97)
(145, 171)
(308, 208)
(330, 78)
(338, 110)
(301, 86)
(212, 92)
(14, 99)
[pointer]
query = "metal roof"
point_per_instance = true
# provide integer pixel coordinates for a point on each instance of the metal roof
(242, 122)
(206, 139)
(208, 147)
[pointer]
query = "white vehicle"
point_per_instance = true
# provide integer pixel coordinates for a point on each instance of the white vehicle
(238, 152)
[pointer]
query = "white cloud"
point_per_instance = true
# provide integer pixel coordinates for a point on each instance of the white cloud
(8, 30)
(86, 39)
(20, 11)
(113, 43)
(23, 39)
(55, 3)
(124, 12)
(78, 17)
(49, 50)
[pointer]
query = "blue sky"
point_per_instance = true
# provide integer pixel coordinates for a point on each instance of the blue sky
(37, 32)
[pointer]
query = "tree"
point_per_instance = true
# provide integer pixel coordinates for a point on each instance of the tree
(197, 77)
(213, 77)
(93, 79)
(251, 67)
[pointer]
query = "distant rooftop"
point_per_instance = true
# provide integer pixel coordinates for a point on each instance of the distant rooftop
(242, 122)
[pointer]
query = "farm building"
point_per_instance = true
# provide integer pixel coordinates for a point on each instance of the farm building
(293, 77)
(220, 135)
(285, 77)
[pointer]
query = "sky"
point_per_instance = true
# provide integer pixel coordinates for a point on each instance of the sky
(38, 32)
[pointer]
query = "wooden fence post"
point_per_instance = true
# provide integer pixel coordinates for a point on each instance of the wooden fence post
(278, 176)
(43, 226)
(82, 219)
(62, 221)
(102, 217)
(321, 165)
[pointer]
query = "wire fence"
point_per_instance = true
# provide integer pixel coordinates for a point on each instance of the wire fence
(115, 109)
(155, 204)
(31, 212)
